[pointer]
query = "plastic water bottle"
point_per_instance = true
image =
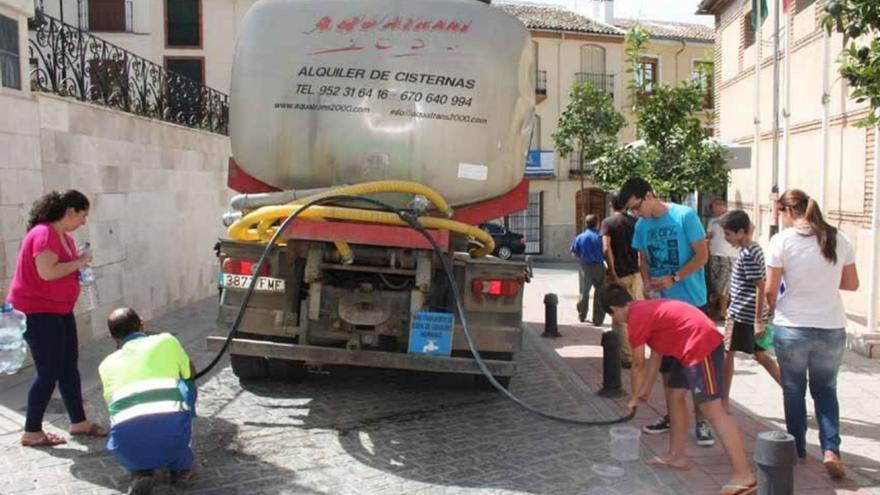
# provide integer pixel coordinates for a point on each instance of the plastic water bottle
(88, 294)
(13, 349)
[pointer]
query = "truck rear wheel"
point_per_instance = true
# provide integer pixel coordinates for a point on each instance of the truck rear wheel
(249, 367)
(285, 370)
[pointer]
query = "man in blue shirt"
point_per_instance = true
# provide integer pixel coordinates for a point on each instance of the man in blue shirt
(588, 249)
(672, 253)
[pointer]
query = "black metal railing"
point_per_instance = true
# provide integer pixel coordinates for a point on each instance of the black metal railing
(541, 82)
(602, 81)
(574, 165)
(73, 63)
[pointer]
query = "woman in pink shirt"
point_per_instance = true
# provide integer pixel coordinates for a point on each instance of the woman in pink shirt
(45, 288)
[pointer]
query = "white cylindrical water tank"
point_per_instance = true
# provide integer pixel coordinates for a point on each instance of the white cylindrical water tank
(328, 92)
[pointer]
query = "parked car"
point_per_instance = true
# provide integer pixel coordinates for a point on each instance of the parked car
(507, 243)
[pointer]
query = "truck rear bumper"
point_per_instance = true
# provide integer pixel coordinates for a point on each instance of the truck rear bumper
(370, 359)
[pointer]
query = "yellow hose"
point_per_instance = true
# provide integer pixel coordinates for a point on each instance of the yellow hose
(265, 231)
(374, 187)
(370, 188)
(241, 230)
(397, 186)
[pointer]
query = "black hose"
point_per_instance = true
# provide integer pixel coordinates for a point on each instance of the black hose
(413, 222)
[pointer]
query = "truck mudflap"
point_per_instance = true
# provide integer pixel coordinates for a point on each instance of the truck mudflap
(370, 359)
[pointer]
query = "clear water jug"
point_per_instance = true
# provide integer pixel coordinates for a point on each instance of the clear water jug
(13, 348)
(625, 443)
(88, 293)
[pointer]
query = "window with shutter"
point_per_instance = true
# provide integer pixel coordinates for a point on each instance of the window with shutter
(10, 68)
(107, 15)
(183, 23)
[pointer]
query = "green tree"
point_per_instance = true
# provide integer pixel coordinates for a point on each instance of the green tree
(588, 125)
(676, 158)
(636, 40)
(859, 21)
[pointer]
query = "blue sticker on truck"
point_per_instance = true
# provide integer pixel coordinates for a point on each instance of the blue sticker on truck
(431, 333)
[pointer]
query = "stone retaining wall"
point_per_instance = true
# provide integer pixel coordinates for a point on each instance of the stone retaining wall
(157, 193)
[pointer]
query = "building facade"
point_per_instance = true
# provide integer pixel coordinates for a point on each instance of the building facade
(13, 44)
(197, 39)
(571, 48)
(820, 148)
(140, 175)
(193, 37)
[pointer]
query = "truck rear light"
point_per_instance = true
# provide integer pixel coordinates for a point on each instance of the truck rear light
(495, 287)
(243, 267)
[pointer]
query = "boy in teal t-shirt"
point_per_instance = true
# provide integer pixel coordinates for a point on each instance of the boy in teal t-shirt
(673, 251)
(668, 241)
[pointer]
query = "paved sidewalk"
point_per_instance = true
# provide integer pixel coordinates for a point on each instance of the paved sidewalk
(756, 398)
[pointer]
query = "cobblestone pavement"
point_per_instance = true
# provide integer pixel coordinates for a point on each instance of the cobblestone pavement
(347, 431)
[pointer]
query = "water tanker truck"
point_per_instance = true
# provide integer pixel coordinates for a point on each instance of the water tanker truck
(426, 105)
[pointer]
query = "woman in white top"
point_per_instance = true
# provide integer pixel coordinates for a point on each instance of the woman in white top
(816, 262)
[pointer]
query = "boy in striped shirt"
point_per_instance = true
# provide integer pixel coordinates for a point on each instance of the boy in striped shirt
(747, 312)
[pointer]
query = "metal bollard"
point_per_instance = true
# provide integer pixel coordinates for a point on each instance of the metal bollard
(776, 456)
(611, 365)
(551, 328)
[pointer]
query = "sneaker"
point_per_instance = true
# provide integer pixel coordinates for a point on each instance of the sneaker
(141, 483)
(704, 435)
(657, 427)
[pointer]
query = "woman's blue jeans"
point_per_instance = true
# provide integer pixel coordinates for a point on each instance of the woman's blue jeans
(817, 353)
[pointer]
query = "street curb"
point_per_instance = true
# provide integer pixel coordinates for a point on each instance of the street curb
(558, 364)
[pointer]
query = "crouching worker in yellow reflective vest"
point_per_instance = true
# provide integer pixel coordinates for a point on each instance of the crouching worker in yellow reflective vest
(151, 400)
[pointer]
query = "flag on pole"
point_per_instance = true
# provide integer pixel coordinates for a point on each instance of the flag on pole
(764, 14)
(786, 5)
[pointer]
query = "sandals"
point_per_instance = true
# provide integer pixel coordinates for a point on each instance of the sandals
(659, 462)
(94, 430)
(46, 440)
(52, 439)
(733, 489)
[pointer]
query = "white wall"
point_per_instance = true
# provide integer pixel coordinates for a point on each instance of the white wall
(20, 7)
(849, 164)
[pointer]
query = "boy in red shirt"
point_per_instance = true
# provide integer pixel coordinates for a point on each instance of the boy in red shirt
(677, 329)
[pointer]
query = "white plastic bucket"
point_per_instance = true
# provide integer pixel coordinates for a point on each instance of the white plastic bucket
(624, 443)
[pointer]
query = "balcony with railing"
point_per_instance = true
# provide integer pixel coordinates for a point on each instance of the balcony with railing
(540, 86)
(602, 81)
(574, 165)
(70, 62)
